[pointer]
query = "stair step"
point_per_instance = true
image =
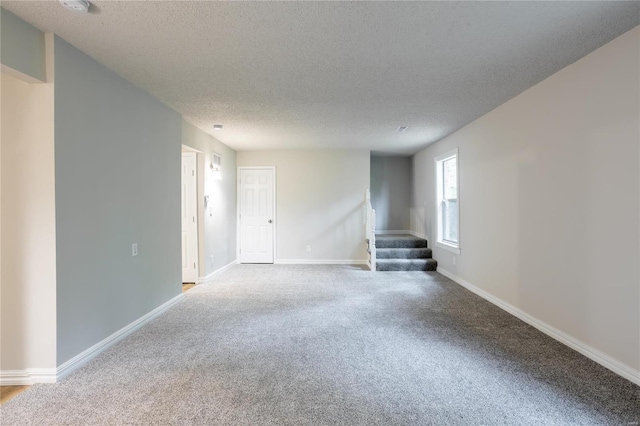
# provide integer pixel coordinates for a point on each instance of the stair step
(406, 265)
(399, 241)
(404, 253)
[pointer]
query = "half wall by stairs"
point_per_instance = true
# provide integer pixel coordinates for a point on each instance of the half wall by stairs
(403, 252)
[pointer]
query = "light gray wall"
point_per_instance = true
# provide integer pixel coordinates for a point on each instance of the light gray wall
(549, 196)
(319, 202)
(218, 228)
(22, 47)
(391, 188)
(117, 167)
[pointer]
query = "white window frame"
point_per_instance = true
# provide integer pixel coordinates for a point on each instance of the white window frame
(438, 163)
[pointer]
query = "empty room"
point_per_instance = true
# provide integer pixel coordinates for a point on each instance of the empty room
(319, 213)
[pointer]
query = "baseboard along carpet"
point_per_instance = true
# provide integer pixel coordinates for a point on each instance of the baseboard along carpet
(332, 345)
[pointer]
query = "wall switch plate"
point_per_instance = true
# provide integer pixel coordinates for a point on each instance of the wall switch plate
(308, 248)
(134, 249)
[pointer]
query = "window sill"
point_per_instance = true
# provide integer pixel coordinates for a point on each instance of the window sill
(448, 247)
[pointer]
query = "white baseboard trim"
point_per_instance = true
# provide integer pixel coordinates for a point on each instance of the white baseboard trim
(319, 262)
(417, 234)
(27, 377)
(79, 360)
(14, 378)
(43, 375)
(406, 231)
(53, 375)
(601, 358)
(202, 280)
(400, 231)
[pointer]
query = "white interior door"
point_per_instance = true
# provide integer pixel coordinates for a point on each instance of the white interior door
(257, 218)
(189, 221)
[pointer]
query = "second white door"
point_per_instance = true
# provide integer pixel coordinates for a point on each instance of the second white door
(257, 218)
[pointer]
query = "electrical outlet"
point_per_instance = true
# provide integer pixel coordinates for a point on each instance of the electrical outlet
(211, 260)
(454, 260)
(308, 248)
(134, 249)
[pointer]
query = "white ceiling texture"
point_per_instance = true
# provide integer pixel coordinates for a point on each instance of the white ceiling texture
(325, 75)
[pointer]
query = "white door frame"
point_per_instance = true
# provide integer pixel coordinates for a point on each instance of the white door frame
(201, 172)
(197, 210)
(239, 208)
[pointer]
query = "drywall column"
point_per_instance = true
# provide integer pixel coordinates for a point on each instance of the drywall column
(27, 250)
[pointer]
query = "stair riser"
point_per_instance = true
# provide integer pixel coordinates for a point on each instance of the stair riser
(382, 244)
(407, 265)
(423, 253)
(403, 252)
(387, 268)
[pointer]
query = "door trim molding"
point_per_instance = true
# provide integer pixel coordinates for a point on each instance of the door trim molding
(275, 209)
(194, 154)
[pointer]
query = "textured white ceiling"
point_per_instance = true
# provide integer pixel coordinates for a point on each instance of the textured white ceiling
(304, 75)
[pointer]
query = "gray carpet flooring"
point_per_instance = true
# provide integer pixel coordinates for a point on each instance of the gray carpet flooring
(332, 345)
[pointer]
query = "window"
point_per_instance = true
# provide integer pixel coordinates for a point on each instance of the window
(447, 201)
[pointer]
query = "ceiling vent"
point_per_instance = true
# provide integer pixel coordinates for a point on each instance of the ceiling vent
(78, 6)
(402, 129)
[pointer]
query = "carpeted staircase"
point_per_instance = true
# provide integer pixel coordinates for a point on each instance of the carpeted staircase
(403, 252)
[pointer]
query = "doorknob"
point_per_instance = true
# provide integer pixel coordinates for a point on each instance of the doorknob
(270, 221)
